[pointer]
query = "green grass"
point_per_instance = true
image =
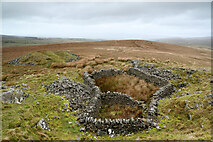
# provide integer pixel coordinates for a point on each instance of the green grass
(46, 58)
(19, 120)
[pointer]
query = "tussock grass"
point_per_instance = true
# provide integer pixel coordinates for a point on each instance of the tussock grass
(131, 85)
(120, 111)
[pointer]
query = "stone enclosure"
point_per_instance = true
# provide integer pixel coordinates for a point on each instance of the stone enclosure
(121, 126)
(87, 100)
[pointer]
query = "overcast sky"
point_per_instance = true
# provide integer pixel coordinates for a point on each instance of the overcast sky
(107, 20)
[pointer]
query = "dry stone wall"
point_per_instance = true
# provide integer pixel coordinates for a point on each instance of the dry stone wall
(156, 80)
(114, 126)
(109, 126)
(106, 72)
(88, 114)
(165, 90)
(111, 98)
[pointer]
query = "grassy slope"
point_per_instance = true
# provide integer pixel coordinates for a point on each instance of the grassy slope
(46, 58)
(19, 120)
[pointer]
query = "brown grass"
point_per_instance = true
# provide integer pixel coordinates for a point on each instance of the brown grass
(58, 65)
(121, 49)
(131, 85)
(120, 111)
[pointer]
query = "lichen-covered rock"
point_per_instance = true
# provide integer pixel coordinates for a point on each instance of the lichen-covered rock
(13, 96)
(43, 124)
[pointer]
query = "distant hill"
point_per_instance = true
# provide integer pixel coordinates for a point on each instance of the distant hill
(121, 48)
(9, 41)
(198, 42)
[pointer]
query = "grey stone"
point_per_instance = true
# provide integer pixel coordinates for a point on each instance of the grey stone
(43, 124)
(3, 87)
(101, 133)
(187, 107)
(82, 129)
(25, 85)
(189, 116)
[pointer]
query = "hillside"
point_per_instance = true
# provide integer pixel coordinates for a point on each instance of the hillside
(9, 41)
(197, 42)
(106, 90)
(123, 48)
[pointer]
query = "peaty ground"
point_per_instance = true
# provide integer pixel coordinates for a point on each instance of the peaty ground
(123, 48)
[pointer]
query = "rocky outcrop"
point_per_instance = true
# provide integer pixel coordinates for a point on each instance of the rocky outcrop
(72, 59)
(14, 61)
(18, 60)
(13, 96)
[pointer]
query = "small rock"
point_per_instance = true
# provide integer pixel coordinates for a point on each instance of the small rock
(82, 129)
(100, 133)
(3, 87)
(25, 85)
(197, 106)
(187, 106)
(190, 116)
(109, 131)
(167, 117)
(187, 101)
(154, 124)
(210, 103)
(43, 124)
(180, 85)
(56, 117)
(111, 136)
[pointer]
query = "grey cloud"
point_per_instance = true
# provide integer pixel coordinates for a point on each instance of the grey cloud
(121, 17)
(112, 11)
